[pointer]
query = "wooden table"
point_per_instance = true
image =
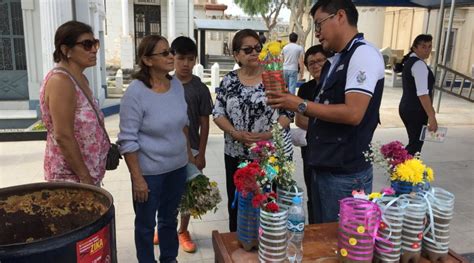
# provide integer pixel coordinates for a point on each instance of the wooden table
(319, 245)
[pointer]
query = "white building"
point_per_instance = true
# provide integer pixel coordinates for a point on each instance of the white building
(26, 51)
(128, 21)
(27, 31)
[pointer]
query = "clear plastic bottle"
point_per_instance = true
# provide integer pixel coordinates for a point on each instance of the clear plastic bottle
(295, 226)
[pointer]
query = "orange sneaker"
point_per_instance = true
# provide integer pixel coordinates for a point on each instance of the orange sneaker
(186, 242)
(156, 241)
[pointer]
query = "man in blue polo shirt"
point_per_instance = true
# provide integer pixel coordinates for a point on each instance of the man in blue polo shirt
(344, 115)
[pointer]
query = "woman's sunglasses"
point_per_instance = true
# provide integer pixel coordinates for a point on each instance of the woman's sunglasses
(164, 53)
(249, 50)
(89, 43)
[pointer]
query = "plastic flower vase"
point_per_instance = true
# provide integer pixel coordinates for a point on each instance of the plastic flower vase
(272, 239)
(388, 249)
(285, 196)
(247, 222)
(440, 212)
(358, 225)
(412, 229)
(273, 80)
(402, 187)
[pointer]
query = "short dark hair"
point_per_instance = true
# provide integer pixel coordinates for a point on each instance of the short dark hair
(315, 50)
(239, 37)
(263, 39)
(293, 37)
(184, 46)
(332, 6)
(68, 34)
(146, 48)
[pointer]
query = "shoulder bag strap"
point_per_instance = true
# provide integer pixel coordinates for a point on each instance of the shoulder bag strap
(88, 99)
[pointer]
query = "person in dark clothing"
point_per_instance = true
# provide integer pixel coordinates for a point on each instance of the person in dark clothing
(314, 60)
(416, 107)
(343, 118)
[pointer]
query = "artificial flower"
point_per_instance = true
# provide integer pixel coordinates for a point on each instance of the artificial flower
(399, 164)
(388, 191)
(272, 207)
(375, 195)
(429, 174)
(258, 199)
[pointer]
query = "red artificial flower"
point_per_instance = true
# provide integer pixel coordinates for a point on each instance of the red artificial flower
(245, 178)
(258, 199)
(272, 207)
(273, 195)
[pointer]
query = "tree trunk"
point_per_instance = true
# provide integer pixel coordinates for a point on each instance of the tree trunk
(299, 12)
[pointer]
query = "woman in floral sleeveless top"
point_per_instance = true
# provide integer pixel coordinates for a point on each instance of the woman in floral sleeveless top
(76, 146)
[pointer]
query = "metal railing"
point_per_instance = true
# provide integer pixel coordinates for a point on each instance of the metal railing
(454, 83)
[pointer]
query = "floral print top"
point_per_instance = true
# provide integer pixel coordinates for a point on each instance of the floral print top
(90, 137)
(247, 110)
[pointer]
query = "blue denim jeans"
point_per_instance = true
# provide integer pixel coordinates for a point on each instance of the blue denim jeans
(291, 77)
(328, 188)
(165, 195)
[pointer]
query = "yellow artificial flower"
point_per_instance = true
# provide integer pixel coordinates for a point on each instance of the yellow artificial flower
(375, 195)
(429, 174)
(274, 48)
(277, 168)
(263, 54)
(213, 184)
(409, 171)
(272, 159)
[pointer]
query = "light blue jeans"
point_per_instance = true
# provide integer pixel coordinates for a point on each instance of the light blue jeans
(291, 77)
(327, 188)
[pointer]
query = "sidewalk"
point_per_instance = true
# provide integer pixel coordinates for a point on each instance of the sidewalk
(452, 161)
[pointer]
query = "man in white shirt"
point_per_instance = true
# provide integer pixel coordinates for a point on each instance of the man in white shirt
(293, 56)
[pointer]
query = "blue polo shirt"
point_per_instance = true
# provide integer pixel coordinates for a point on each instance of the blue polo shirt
(337, 147)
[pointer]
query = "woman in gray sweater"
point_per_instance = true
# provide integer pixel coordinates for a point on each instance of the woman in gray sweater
(153, 140)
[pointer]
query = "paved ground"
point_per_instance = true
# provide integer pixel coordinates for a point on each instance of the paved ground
(453, 162)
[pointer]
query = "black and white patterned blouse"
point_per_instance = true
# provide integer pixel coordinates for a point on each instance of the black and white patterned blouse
(247, 110)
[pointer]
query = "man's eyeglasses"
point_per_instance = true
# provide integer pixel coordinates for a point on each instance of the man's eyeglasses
(164, 53)
(249, 50)
(89, 43)
(316, 63)
(317, 24)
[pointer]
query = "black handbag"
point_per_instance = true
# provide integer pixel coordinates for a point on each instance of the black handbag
(113, 156)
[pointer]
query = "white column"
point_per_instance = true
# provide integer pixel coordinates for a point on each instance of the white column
(191, 19)
(125, 24)
(32, 30)
(53, 14)
(93, 14)
(171, 20)
(126, 44)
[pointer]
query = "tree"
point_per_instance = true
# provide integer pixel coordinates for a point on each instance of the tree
(300, 14)
(267, 9)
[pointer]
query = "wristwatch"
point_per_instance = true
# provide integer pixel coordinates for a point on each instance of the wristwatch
(302, 106)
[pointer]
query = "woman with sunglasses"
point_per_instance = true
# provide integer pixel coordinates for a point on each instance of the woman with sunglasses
(153, 140)
(76, 145)
(241, 110)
